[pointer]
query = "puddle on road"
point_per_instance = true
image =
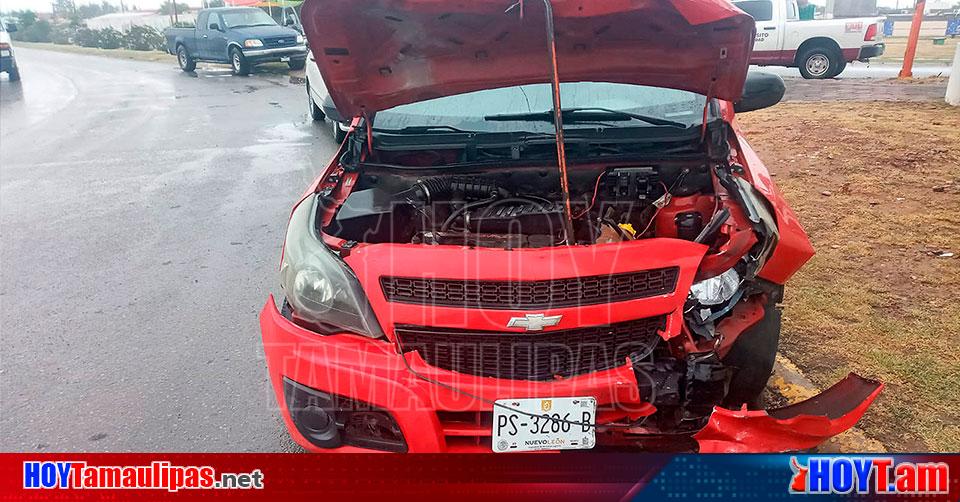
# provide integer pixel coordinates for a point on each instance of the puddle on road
(284, 133)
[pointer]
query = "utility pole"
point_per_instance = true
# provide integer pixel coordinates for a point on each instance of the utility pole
(176, 17)
(907, 70)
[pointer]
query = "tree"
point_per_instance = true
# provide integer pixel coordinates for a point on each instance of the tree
(64, 8)
(93, 10)
(26, 18)
(167, 7)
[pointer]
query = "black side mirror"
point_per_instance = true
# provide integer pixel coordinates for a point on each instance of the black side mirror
(761, 90)
(11, 27)
(214, 26)
(289, 21)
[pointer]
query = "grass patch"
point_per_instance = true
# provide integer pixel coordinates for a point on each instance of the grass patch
(877, 299)
(926, 51)
(93, 51)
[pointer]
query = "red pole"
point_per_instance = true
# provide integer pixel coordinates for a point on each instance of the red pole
(907, 70)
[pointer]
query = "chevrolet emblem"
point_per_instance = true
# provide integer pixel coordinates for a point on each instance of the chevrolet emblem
(534, 322)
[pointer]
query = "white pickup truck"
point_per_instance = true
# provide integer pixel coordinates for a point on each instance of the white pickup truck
(820, 48)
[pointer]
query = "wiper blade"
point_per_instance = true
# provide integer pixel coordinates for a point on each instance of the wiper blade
(422, 129)
(585, 114)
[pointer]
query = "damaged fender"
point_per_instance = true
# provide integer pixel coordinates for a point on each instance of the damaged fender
(796, 427)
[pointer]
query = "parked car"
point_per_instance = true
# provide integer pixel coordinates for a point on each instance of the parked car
(820, 48)
(8, 60)
(460, 278)
(319, 104)
(239, 36)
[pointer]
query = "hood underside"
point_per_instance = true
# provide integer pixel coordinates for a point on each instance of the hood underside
(376, 54)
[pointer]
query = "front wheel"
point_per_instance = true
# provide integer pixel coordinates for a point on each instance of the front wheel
(819, 63)
(238, 62)
(338, 133)
(752, 357)
(186, 62)
(315, 112)
(297, 64)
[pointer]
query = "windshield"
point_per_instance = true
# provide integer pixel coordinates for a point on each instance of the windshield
(468, 111)
(246, 17)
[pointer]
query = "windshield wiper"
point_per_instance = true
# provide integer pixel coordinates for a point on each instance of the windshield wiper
(585, 114)
(422, 129)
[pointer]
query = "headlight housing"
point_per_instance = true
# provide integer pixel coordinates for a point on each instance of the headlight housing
(253, 42)
(321, 290)
(299, 39)
(716, 290)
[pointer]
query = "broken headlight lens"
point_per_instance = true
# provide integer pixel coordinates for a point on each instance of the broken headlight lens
(716, 290)
(322, 291)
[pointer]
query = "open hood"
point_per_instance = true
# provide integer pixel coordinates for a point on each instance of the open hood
(376, 54)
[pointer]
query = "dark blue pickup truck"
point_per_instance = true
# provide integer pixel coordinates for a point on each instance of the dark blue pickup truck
(239, 36)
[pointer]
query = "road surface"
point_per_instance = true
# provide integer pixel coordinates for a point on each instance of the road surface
(142, 212)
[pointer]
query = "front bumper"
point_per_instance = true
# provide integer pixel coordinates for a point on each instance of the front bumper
(275, 54)
(871, 51)
(434, 418)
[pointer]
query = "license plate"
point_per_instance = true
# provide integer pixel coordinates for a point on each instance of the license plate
(285, 59)
(5, 54)
(559, 423)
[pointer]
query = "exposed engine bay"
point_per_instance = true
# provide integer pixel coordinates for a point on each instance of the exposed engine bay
(522, 208)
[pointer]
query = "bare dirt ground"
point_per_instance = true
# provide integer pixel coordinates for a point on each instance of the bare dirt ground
(877, 186)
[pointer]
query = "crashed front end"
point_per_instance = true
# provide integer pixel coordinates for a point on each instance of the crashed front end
(417, 328)
(443, 268)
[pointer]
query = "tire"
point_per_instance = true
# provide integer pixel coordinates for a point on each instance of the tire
(186, 62)
(238, 63)
(840, 67)
(14, 74)
(338, 134)
(297, 64)
(819, 63)
(315, 112)
(752, 357)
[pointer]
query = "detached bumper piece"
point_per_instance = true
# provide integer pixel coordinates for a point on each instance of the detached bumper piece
(792, 428)
(332, 421)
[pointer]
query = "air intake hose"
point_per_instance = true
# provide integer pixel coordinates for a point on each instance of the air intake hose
(442, 187)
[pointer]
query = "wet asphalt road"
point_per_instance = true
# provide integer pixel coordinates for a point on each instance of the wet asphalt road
(141, 218)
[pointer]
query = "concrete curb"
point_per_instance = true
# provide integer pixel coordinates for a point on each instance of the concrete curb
(790, 383)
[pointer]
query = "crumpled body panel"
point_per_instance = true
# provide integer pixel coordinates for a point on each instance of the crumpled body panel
(796, 427)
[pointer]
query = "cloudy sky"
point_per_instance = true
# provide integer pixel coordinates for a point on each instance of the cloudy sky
(44, 5)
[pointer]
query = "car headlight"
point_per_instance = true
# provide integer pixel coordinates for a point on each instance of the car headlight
(716, 290)
(253, 42)
(299, 39)
(321, 290)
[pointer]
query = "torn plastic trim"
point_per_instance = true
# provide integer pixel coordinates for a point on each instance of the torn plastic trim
(760, 215)
(799, 426)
